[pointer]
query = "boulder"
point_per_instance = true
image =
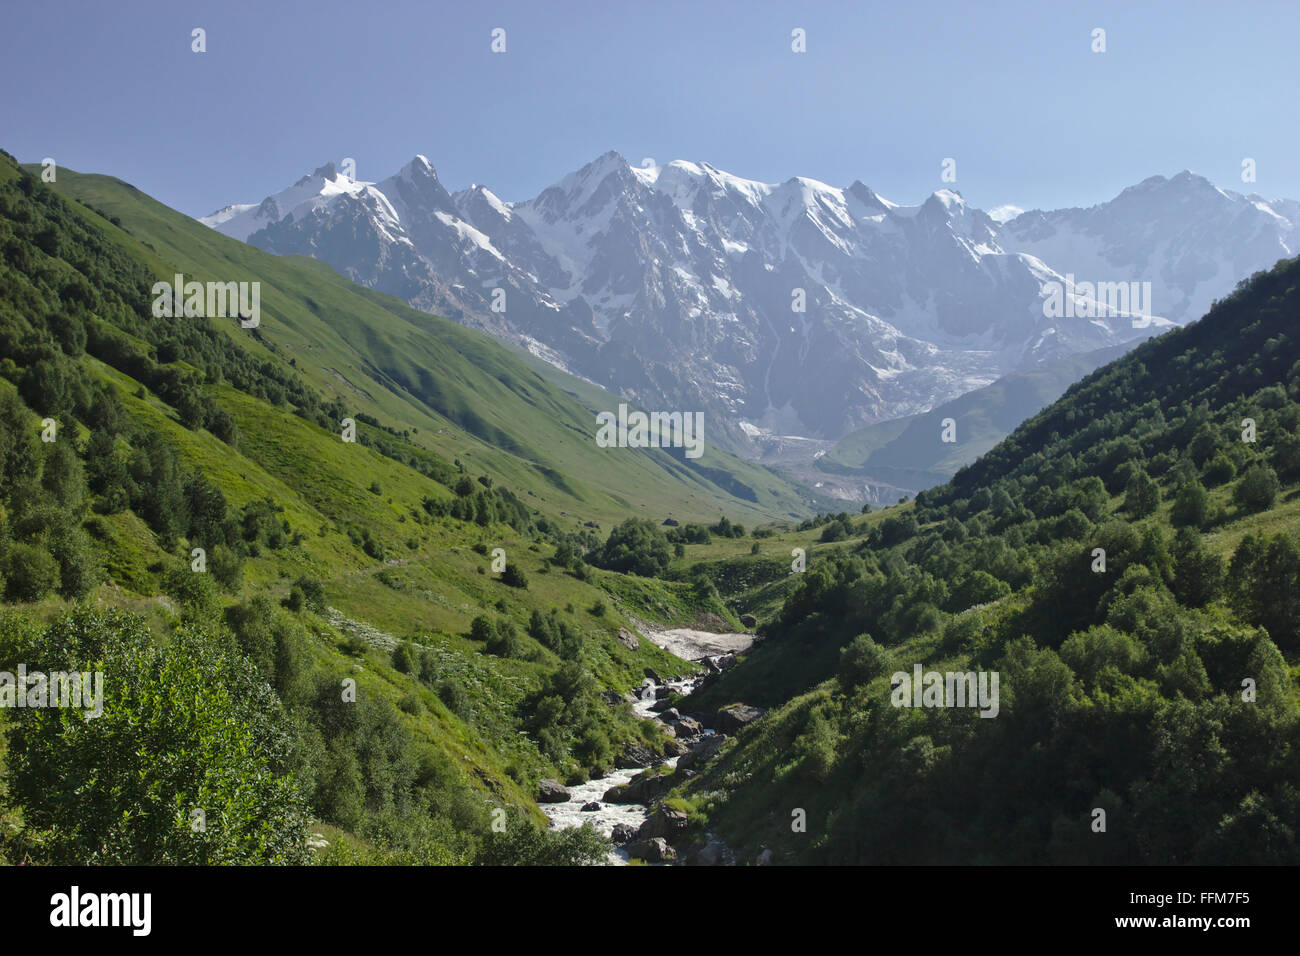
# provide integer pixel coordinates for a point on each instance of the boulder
(733, 718)
(724, 662)
(662, 692)
(675, 748)
(687, 727)
(628, 639)
(633, 755)
(646, 691)
(749, 620)
(660, 706)
(663, 822)
(764, 858)
(612, 697)
(652, 851)
(701, 751)
(709, 855)
(590, 807)
(551, 791)
(623, 833)
(652, 675)
(645, 787)
(669, 715)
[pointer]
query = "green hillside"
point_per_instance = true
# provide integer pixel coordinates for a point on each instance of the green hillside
(908, 452)
(303, 634)
(1127, 562)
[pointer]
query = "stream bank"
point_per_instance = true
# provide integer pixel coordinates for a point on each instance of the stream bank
(624, 805)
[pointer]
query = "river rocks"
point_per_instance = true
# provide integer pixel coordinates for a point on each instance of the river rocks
(645, 787)
(669, 715)
(652, 851)
(551, 791)
(650, 673)
(662, 705)
(700, 751)
(633, 756)
(623, 833)
(614, 698)
(663, 692)
(628, 639)
(749, 620)
(646, 691)
(590, 807)
(687, 727)
(675, 748)
(719, 663)
(733, 718)
(663, 823)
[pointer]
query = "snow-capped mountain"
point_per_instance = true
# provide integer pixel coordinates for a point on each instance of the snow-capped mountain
(794, 308)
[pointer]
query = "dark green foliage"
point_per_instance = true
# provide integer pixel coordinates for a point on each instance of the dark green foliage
(1141, 495)
(861, 661)
(1191, 507)
(514, 576)
(185, 727)
(636, 546)
(1257, 489)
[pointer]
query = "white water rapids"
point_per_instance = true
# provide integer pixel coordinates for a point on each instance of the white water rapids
(687, 644)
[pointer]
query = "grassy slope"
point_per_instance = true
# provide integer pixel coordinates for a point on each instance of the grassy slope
(467, 395)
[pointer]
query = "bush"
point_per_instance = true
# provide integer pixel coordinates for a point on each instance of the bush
(636, 546)
(1257, 489)
(1191, 506)
(514, 576)
(452, 693)
(188, 725)
(861, 661)
(1141, 495)
(30, 573)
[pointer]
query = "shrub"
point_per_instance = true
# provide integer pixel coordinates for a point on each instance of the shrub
(1257, 489)
(190, 696)
(636, 546)
(861, 661)
(514, 576)
(30, 573)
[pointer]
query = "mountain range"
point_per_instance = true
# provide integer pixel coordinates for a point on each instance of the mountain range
(778, 309)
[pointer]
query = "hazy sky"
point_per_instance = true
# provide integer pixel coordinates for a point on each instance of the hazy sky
(885, 92)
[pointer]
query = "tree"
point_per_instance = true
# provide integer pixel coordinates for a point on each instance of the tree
(861, 661)
(514, 576)
(1142, 495)
(1257, 489)
(635, 546)
(30, 572)
(188, 733)
(1198, 574)
(1191, 506)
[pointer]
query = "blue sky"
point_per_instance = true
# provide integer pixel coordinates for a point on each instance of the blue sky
(884, 93)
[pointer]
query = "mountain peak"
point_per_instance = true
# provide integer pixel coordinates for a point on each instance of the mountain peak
(327, 172)
(419, 168)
